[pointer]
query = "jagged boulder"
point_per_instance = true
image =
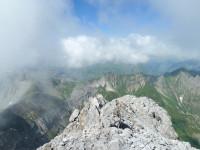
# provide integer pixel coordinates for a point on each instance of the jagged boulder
(125, 123)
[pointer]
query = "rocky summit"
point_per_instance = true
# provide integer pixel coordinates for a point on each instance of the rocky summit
(124, 123)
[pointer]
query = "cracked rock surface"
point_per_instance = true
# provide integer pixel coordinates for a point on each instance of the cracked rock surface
(125, 123)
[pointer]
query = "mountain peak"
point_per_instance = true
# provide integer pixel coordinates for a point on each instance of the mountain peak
(125, 123)
(184, 70)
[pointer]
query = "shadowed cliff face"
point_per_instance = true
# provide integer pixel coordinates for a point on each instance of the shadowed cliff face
(16, 133)
(31, 113)
(33, 122)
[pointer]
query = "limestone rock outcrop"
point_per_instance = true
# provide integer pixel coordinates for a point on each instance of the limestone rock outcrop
(125, 123)
(74, 115)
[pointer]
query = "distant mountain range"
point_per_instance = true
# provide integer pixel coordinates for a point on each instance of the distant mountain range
(153, 67)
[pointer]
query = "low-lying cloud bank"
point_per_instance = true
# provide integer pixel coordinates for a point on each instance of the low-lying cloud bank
(87, 50)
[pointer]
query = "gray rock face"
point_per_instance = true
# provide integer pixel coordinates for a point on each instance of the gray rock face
(74, 115)
(125, 123)
(80, 94)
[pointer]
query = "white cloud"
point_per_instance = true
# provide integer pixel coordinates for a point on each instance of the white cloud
(86, 50)
(183, 16)
(30, 31)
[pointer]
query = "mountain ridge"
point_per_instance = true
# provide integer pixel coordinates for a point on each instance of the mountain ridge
(125, 123)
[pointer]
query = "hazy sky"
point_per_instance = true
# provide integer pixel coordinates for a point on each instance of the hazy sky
(84, 32)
